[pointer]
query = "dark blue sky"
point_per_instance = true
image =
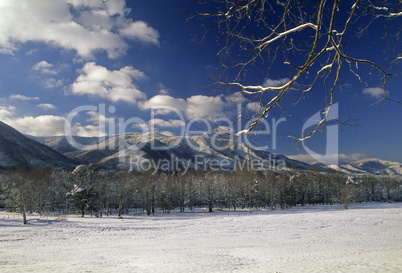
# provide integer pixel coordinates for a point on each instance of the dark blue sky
(59, 55)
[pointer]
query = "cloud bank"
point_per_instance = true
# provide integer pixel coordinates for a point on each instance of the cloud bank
(83, 26)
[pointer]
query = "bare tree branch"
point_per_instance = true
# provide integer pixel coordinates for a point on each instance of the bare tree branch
(304, 36)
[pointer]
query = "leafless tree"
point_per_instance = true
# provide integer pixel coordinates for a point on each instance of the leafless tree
(124, 187)
(17, 190)
(307, 39)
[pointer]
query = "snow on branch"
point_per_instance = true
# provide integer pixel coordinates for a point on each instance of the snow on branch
(283, 34)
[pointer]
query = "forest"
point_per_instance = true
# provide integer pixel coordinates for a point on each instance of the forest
(88, 190)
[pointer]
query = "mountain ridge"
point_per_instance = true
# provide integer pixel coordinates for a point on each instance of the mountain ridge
(374, 166)
(110, 157)
(111, 153)
(17, 149)
(57, 152)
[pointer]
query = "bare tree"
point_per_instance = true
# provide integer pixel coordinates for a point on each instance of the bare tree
(124, 186)
(17, 189)
(307, 39)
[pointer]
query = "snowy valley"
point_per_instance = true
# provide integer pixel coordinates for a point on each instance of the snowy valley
(260, 220)
(365, 238)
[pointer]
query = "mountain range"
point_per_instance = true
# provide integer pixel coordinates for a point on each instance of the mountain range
(373, 166)
(135, 150)
(140, 151)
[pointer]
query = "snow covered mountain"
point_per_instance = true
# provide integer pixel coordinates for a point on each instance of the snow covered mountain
(135, 150)
(198, 152)
(374, 166)
(62, 145)
(19, 150)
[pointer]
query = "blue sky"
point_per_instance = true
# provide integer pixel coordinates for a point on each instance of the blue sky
(56, 56)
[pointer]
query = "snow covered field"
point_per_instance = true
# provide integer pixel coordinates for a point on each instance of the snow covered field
(365, 238)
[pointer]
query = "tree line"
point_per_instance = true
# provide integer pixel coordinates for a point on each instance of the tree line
(87, 190)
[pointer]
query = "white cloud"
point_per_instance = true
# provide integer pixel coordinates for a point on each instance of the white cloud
(46, 125)
(31, 52)
(163, 92)
(97, 118)
(139, 30)
(350, 157)
(275, 83)
(224, 129)
(143, 127)
(375, 92)
(87, 130)
(44, 67)
(6, 112)
(236, 97)
(46, 106)
(198, 106)
(96, 126)
(116, 7)
(162, 89)
(165, 102)
(96, 20)
(80, 25)
(52, 83)
(207, 107)
(114, 85)
(172, 123)
(253, 106)
(22, 97)
(50, 125)
(48, 83)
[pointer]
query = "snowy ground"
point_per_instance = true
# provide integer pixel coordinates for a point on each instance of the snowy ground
(365, 238)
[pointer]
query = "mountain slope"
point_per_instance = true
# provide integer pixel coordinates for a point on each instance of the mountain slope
(198, 152)
(374, 166)
(61, 144)
(19, 150)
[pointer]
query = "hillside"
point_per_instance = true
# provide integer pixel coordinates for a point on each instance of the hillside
(19, 150)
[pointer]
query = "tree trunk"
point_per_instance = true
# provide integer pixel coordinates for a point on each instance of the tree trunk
(24, 217)
(210, 206)
(121, 203)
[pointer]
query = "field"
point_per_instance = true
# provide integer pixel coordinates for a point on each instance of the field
(365, 238)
